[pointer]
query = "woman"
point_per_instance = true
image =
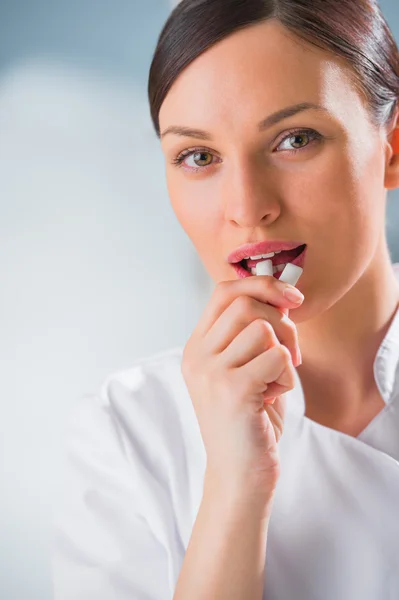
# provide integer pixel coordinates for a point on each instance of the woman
(235, 467)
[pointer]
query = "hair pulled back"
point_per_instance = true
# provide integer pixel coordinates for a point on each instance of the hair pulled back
(355, 30)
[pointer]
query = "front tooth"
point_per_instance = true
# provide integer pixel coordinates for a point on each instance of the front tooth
(262, 256)
(253, 271)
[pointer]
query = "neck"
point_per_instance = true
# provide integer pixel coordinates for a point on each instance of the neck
(339, 346)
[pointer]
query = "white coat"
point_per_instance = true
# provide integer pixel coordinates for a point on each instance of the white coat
(134, 483)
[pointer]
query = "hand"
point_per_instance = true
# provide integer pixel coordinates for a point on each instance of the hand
(237, 365)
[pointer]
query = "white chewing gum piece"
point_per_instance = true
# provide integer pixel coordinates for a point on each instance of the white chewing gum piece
(291, 274)
(264, 268)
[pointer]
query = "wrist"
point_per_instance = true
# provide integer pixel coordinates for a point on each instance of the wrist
(247, 498)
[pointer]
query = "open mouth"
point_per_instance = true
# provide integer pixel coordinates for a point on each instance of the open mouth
(279, 261)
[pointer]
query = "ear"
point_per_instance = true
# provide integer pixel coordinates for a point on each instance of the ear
(391, 180)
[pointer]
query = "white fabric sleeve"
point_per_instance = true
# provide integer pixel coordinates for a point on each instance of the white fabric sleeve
(108, 538)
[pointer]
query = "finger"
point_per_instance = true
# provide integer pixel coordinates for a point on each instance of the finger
(276, 414)
(272, 366)
(264, 288)
(278, 404)
(253, 340)
(241, 312)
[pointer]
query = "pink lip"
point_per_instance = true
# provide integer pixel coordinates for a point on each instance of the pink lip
(260, 248)
(299, 261)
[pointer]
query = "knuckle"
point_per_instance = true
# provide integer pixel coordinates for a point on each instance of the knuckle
(243, 304)
(291, 380)
(285, 355)
(291, 371)
(221, 289)
(262, 327)
(287, 377)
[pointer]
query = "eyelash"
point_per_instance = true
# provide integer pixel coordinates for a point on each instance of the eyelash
(178, 161)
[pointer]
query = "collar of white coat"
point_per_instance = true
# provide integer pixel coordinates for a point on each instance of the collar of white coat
(386, 366)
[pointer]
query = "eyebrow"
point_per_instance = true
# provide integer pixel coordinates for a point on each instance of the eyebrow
(272, 119)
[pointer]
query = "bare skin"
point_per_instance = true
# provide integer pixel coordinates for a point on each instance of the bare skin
(331, 194)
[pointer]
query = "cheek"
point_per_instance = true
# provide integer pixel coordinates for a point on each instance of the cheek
(349, 216)
(198, 215)
(364, 206)
(339, 210)
(344, 197)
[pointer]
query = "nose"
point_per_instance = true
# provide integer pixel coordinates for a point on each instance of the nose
(248, 197)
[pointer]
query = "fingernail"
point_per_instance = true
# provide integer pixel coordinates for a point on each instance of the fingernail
(293, 294)
(299, 356)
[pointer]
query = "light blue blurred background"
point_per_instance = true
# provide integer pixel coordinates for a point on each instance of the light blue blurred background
(86, 226)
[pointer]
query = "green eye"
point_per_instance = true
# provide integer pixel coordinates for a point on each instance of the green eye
(309, 135)
(295, 137)
(199, 156)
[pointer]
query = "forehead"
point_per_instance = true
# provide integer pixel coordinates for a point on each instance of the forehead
(254, 72)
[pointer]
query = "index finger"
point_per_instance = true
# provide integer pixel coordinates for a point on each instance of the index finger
(264, 288)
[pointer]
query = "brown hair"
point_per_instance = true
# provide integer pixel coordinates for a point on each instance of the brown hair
(352, 29)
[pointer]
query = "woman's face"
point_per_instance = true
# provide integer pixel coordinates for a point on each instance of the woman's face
(325, 189)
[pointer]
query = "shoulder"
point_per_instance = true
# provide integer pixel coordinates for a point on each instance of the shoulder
(130, 486)
(149, 395)
(142, 416)
(152, 381)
